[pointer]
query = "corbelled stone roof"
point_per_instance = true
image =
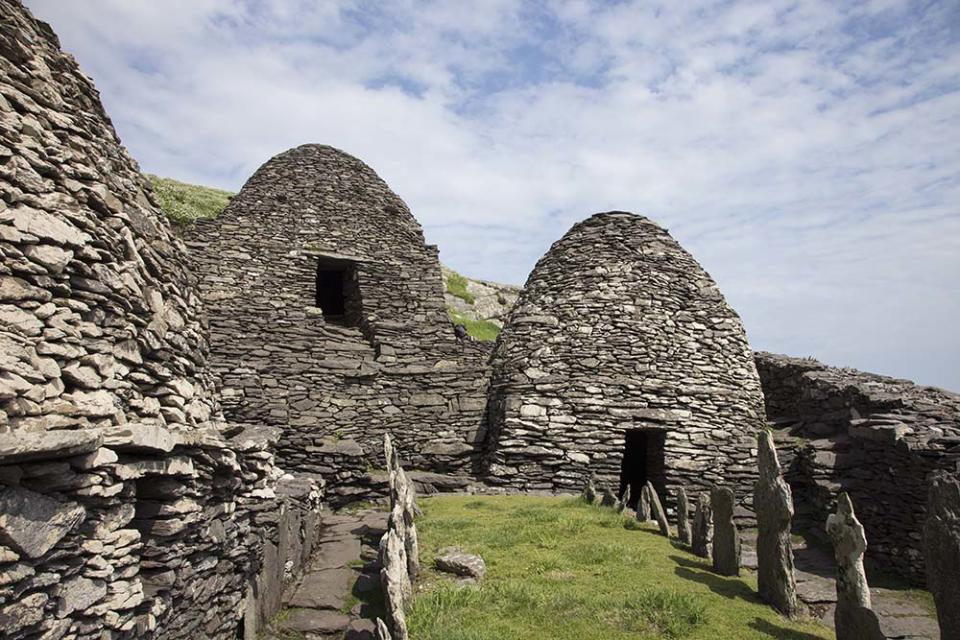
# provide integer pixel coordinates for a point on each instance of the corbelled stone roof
(617, 328)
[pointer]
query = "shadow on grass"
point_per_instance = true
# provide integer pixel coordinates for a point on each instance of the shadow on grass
(732, 588)
(781, 633)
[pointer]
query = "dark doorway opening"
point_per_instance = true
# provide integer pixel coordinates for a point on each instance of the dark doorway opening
(642, 462)
(337, 294)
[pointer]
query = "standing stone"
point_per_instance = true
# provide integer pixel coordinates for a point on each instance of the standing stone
(941, 548)
(590, 491)
(382, 632)
(657, 510)
(726, 538)
(624, 501)
(773, 504)
(608, 498)
(702, 540)
(683, 516)
(853, 620)
(395, 581)
(643, 505)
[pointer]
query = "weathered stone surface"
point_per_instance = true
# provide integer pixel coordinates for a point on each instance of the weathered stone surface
(32, 523)
(683, 516)
(623, 501)
(643, 504)
(618, 329)
(881, 439)
(590, 491)
(140, 438)
(773, 504)
(316, 621)
(24, 446)
(702, 535)
(456, 561)
(853, 618)
(657, 511)
(396, 582)
(382, 632)
(607, 497)
(941, 544)
(726, 538)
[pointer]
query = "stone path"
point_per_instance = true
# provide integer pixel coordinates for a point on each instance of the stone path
(902, 617)
(338, 597)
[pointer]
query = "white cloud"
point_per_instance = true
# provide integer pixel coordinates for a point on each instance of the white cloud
(807, 153)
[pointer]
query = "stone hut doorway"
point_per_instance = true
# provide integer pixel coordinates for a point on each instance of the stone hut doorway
(337, 294)
(642, 461)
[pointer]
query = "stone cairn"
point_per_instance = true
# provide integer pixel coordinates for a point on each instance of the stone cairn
(773, 504)
(726, 538)
(399, 547)
(941, 542)
(702, 536)
(683, 516)
(854, 619)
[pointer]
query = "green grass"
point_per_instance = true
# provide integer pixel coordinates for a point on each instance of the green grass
(476, 329)
(457, 286)
(560, 569)
(186, 203)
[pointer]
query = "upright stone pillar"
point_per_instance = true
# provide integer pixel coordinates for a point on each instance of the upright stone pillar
(643, 505)
(656, 507)
(773, 504)
(590, 491)
(683, 516)
(624, 501)
(941, 550)
(702, 541)
(726, 538)
(853, 620)
(608, 498)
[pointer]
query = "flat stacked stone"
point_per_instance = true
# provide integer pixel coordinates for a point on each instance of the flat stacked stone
(619, 328)
(880, 439)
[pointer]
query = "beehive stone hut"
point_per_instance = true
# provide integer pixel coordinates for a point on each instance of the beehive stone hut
(128, 509)
(621, 358)
(877, 438)
(327, 319)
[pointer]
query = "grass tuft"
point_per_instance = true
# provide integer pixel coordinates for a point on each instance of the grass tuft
(476, 329)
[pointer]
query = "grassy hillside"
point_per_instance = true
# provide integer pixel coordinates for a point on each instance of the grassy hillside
(560, 569)
(186, 203)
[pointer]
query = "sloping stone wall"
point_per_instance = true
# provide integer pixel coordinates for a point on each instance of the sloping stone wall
(619, 328)
(877, 438)
(335, 388)
(128, 508)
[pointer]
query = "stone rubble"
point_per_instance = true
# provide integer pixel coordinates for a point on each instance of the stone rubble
(854, 618)
(774, 508)
(726, 538)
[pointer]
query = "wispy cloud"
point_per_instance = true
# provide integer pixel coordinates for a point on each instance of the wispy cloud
(807, 153)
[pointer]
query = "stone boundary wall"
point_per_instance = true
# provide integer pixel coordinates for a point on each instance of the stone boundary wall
(335, 390)
(128, 507)
(619, 328)
(877, 438)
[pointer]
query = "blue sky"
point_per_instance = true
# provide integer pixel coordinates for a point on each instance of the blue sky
(807, 153)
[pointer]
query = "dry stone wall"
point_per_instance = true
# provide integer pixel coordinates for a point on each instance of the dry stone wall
(619, 329)
(877, 438)
(336, 385)
(128, 508)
